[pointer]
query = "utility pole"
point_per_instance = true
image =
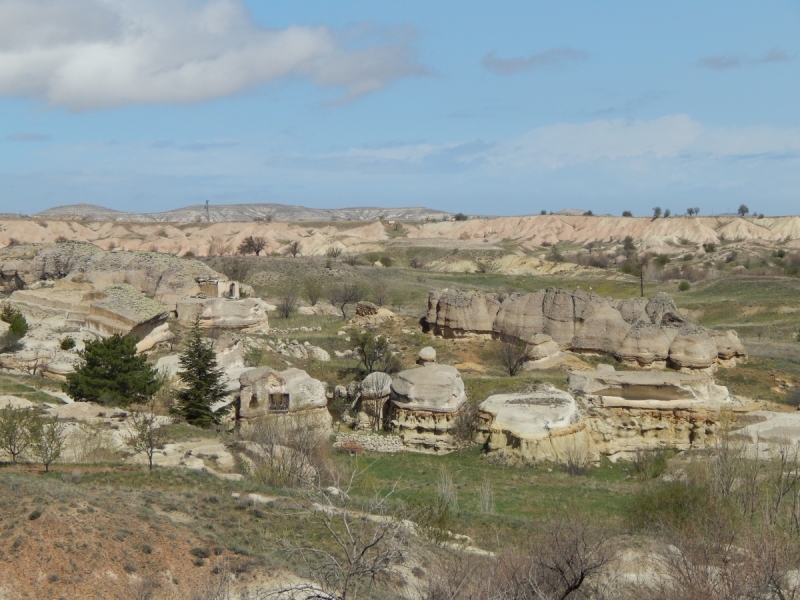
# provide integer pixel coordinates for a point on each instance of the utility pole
(208, 214)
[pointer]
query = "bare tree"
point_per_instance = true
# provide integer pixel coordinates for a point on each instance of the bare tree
(236, 269)
(293, 249)
(252, 245)
(288, 301)
(146, 433)
(345, 293)
(351, 259)
(512, 356)
(313, 291)
(381, 295)
(333, 252)
(48, 440)
(15, 436)
(367, 545)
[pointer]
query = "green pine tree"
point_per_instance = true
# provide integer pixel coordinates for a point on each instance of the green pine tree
(112, 374)
(202, 380)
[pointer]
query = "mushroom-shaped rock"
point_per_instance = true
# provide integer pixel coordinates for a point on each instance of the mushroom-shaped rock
(427, 355)
(538, 425)
(376, 385)
(645, 344)
(693, 348)
(433, 388)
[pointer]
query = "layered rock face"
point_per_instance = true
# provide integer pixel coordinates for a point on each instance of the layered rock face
(637, 331)
(628, 411)
(424, 404)
(540, 425)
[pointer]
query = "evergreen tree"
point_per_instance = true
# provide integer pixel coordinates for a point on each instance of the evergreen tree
(112, 374)
(202, 380)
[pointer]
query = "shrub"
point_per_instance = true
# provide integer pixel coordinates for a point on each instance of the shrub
(710, 247)
(577, 461)
(313, 291)
(200, 552)
(17, 325)
(684, 286)
(627, 213)
(252, 356)
(650, 464)
(661, 260)
(669, 505)
(461, 217)
(112, 373)
(543, 212)
(67, 343)
(512, 356)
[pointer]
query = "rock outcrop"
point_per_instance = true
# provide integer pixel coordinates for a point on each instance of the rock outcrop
(636, 331)
(424, 405)
(370, 406)
(226, 313)
(628, 411)
(544, 424)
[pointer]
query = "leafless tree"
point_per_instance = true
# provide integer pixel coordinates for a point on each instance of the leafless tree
(48, 440)
(512, 356)
(146, 433)
(345, 293)
(313, 291)
(381, 295)
(333, 252)
(15, 436)
(351, 259)
(367, 545)
(251, 244)
(293, 249)
(236, 269)
(288, 301)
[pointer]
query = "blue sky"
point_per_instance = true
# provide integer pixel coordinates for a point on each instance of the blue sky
(489, 108)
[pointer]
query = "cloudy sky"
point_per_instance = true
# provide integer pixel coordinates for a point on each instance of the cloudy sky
(503, 107)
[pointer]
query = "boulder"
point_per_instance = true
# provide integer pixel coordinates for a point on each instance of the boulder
(223, 312)
(426, 355)
(371, 404)
(376, 385)
(542, 346)
(432, 388)
(539, 425)
(453, 312)
(693, 348)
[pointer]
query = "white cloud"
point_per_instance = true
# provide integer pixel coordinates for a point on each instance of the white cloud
(565, 145)
(553, 57)
(86, 54)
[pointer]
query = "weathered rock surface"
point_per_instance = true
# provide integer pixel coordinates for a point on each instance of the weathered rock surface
(426, 355)
(432, 388)
(223, 312)
(636, 331)
(164, 277)
(266, 392)
(540, 425)
(370, 406)
(628, 411)
(424, 404)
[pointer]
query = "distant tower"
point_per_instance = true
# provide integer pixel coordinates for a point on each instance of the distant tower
(208, 214)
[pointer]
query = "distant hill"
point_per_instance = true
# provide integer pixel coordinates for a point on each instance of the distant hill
(221, 213)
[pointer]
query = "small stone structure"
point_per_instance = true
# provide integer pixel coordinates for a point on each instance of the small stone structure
(370, 405)
(424, 404)
(628, 411)
(374, 442)
(544, 424)
(216, 287)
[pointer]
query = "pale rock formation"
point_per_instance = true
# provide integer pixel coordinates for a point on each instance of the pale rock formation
(370, 406)
(628, 411)
(640, 332)
(223, 312)
(424, 403)
(426, 355)
(371, 315)
(164, 277)
(540, 425)
(266, 392)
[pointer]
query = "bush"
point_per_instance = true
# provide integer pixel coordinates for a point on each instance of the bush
(461, 217)
(200, 552)
(627, 213)
(67, 343)
(684, 286)
(252, 356)
(112, 373)
(17, 325)
(710, 247)
(669, 505)
(650, 464)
